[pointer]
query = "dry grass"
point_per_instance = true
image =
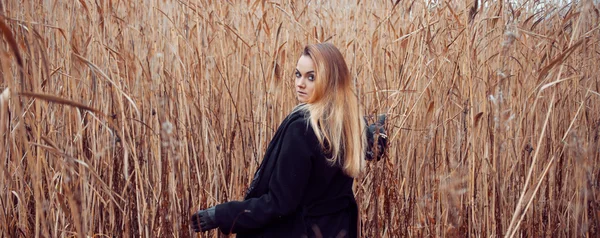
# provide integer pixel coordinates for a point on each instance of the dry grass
(126, 116)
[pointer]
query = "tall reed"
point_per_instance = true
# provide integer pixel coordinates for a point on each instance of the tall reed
(121, 118)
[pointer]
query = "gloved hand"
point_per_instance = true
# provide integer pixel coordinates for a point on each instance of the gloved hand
(204, 220)
(372, 130)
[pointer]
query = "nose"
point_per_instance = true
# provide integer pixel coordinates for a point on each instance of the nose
(300, 82)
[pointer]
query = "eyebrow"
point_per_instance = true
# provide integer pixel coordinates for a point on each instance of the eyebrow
(312, 71)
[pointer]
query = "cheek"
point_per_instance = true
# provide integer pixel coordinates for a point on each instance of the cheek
(310, 88)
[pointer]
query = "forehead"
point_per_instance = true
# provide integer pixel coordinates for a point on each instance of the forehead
(305, 64)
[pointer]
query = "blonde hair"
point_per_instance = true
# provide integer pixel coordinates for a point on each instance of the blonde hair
(334, 111)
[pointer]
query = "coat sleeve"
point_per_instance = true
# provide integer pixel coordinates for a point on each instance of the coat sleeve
(286, 186)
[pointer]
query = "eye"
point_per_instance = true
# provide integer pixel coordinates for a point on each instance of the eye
(311, 78)
(298, 75)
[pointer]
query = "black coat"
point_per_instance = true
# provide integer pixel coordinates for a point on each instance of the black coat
(294, 192)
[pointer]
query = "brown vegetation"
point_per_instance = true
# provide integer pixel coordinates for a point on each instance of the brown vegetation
(123, 117)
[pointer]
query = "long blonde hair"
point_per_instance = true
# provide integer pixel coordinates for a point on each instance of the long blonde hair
(334, 111)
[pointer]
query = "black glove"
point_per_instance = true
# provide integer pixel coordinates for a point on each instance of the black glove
(204, 220)
(376, 128)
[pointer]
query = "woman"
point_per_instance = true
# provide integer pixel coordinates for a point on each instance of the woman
(303, 187)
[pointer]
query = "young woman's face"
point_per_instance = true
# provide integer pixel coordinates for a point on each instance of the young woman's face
(305, 78)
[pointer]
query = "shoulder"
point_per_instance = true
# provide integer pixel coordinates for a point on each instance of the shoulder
(299, 112)
(298, 118)
(298, 125)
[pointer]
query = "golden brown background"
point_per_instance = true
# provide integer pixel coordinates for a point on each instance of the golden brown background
(123, 117)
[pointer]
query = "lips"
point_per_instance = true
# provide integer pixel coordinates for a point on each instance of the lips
(301, 93)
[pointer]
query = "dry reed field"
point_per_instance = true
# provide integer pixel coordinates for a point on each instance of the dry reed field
(122, 118)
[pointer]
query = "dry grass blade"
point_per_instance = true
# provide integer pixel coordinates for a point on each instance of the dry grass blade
(559, 59)
(59, 100)
(8, 36)
(576, 114)
(558, 81)
(479, 98)
(518, 211)
(4, 98)
(512, 229)
(235, 33)
(531, 199)
(52, 148)
(93, 66)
